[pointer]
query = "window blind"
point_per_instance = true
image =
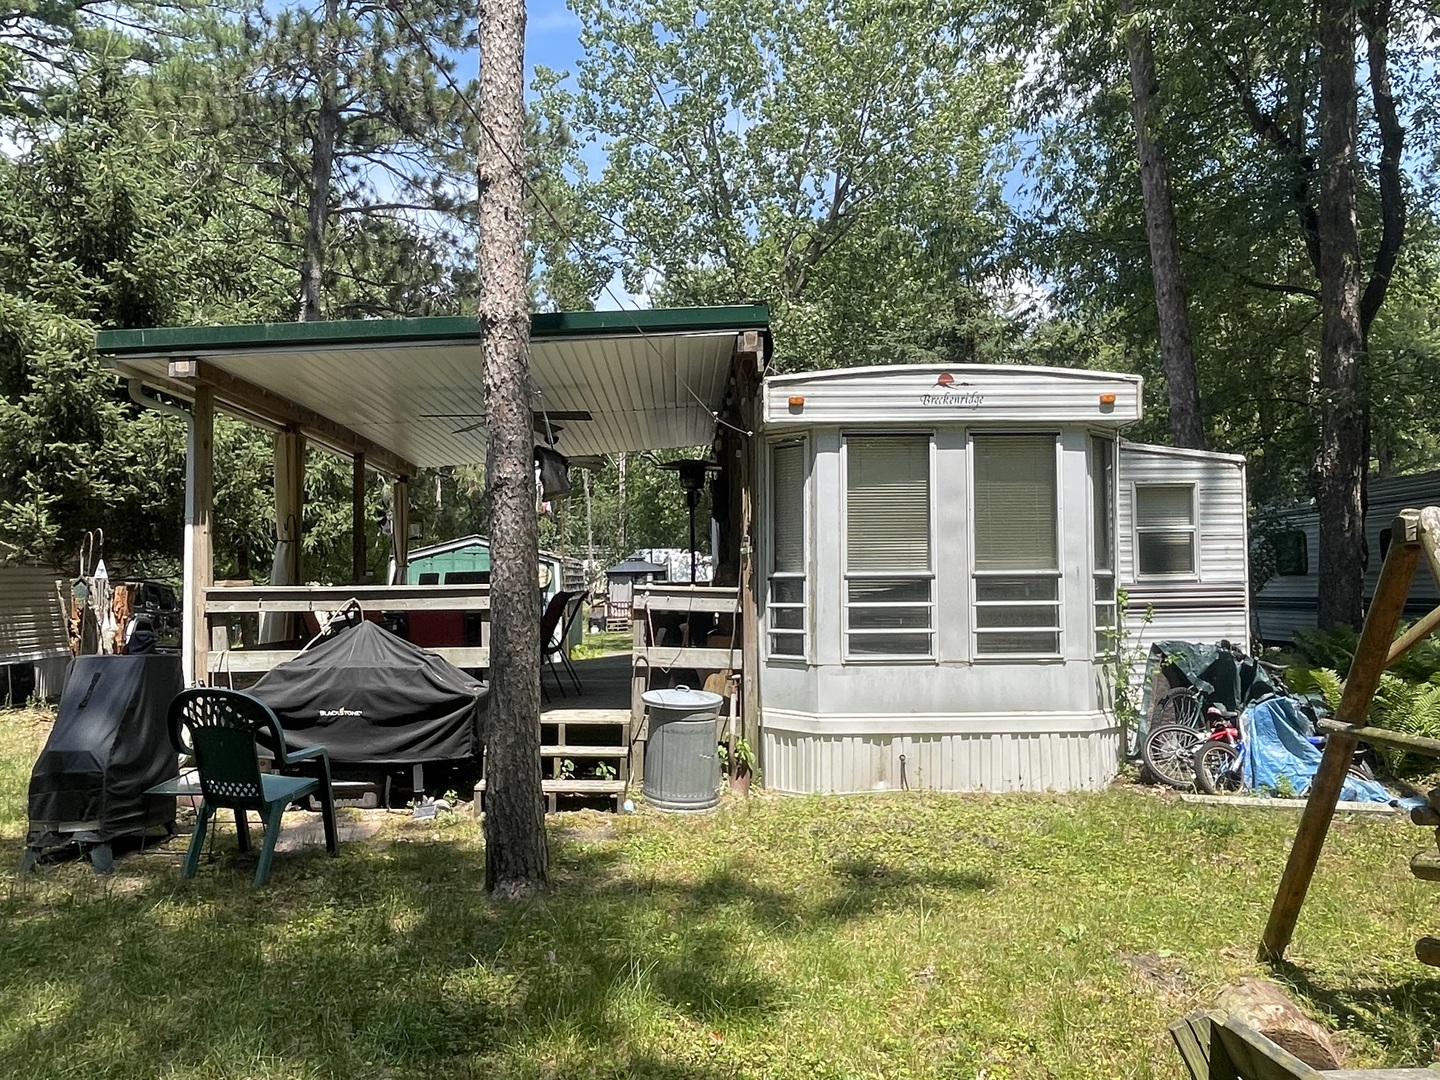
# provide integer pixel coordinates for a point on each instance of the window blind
(788, 506)
(1102, 473)
(1015, 503)
(887, 504)
(1162, 506)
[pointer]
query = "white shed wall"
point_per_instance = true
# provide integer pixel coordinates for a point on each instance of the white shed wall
(32, 618)
(1214, 604)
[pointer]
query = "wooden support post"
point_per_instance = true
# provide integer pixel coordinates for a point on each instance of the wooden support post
(202, 560)
(1371, 654)
(639, 683)
(357, 521)
(400, 527)
(750, 464)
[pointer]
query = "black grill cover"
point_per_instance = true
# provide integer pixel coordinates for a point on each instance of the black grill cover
(110, 742)
(371, 698)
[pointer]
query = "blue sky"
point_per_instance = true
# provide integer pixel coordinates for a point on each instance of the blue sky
(552, 37)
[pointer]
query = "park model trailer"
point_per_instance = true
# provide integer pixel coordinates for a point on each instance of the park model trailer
(941, 548)
(916, 567)
(1290, 599)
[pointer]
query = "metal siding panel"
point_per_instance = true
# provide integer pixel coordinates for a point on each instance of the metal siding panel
(633, 385)
(32, 615)
(910, 394)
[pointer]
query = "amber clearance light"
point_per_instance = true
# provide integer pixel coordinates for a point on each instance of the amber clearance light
(1107, 399)
(796, 401)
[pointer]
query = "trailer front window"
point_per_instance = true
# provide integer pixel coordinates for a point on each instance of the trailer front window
(889, 576)
(785, 607)
(1017, 548)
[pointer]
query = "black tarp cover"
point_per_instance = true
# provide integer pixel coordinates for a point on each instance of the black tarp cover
(371, 698)
(109, 744)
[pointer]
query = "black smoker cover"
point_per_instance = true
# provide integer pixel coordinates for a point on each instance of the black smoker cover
(371, 698)
(110, 742)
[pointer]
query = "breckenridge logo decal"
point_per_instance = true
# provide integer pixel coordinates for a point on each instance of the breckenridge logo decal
(951, 395)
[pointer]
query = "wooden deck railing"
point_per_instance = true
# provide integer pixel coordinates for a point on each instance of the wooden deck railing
(223, 600)
(660, 610)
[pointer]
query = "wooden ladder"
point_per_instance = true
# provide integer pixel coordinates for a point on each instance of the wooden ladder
(1425, 865)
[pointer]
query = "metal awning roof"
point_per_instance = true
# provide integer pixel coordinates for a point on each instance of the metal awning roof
(650, 380)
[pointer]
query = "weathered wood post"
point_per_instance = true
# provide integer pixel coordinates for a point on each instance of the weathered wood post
(357, 520)
(1372, 655)
(199, 515)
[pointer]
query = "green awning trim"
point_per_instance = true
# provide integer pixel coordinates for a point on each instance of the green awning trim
(178, 340)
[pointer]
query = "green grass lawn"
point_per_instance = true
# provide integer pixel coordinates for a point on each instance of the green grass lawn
(895, 936)
(606, 643)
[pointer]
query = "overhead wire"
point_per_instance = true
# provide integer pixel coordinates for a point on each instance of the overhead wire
(518, 168)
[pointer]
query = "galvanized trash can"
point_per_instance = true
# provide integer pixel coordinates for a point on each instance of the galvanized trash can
(682, 769)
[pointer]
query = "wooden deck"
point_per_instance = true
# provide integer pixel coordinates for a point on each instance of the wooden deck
(606, 697)
(585, 737)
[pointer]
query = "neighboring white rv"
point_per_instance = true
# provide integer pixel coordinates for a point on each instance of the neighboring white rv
(1290, 600)
(939, 553)
(33, 633)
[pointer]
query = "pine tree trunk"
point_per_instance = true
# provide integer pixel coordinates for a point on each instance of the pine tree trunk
(1177, 352)
(1341, 460)
(322, 161)
(516, 860)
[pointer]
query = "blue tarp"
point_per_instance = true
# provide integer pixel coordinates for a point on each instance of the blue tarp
(1280, 757)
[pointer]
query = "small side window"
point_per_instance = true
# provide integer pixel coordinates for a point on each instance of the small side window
(1292, 553)
(431, 578)
(1165, 530)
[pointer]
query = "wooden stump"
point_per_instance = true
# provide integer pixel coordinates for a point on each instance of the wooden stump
(1427, 951)
(1262, 1005)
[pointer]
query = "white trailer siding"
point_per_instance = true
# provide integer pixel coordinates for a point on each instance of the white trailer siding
(33, 624)
(1290, 602)
(955, 720)
(1213, 603)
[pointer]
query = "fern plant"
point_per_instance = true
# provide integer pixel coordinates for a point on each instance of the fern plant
(1411, 708)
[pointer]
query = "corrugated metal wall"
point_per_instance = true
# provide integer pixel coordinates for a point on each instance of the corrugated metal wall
(995, 761)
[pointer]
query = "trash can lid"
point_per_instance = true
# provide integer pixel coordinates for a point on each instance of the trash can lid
(681, 697)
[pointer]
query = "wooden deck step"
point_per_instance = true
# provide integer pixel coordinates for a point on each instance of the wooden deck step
(1426, 866)
(576, 787)
(594, 751)
(1414, 744)
(1427, 951)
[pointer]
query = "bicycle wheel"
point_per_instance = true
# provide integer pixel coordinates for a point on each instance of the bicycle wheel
(1178, 706)
(1218, 769)
(1169, 753)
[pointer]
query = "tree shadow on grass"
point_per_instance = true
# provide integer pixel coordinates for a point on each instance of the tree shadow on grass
(390, 955)
(1394, 1016)
(391, 960)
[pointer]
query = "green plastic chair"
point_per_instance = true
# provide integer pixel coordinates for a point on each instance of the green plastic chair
(222, 727)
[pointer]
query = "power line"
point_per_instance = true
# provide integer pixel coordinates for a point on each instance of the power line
(566, 238)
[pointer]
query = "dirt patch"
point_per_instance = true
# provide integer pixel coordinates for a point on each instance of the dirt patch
(311, 833)
(1165, 973)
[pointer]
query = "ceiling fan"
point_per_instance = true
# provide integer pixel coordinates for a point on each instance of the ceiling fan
(537, 419)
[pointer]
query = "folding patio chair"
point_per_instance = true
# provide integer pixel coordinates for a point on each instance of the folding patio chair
(555, 626)
(222, 727)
